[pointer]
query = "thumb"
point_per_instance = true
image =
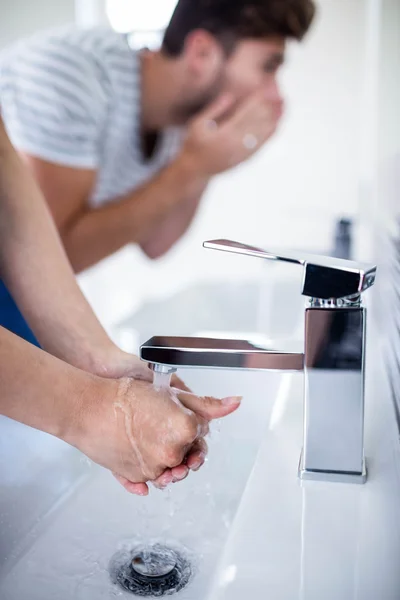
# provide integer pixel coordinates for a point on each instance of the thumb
(217, 108)
(210, 408)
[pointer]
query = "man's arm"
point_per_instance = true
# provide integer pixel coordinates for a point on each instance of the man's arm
(214, 144)
(48, 394)
(89, 235)
(40, 390)
(174, 226)
(34, 267)
(94, 414)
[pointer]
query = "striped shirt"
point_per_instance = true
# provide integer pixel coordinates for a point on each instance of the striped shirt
(73, 97)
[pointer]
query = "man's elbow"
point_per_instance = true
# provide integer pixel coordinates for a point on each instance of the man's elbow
(154, 250)
(153, 253)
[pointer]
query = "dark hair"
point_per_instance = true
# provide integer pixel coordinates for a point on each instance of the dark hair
(232, 20)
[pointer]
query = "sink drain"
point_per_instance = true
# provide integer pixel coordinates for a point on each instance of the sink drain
(154, 570)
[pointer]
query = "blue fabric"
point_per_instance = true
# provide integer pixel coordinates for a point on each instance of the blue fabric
(12, 319)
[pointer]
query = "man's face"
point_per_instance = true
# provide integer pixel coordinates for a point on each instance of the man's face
(253, 65)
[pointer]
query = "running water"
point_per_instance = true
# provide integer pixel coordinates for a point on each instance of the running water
(162, 380)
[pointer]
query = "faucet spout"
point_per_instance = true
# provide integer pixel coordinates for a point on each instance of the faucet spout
(218, 354)
(332, 358)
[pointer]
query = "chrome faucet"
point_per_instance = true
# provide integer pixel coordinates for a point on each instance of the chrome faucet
(333, 360)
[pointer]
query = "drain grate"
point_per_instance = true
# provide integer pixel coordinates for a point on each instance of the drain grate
(151, 571)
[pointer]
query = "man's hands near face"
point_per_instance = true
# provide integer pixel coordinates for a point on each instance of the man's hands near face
(225, 135)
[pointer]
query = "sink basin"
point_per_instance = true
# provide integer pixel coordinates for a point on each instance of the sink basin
(66, 552)
(244, 522)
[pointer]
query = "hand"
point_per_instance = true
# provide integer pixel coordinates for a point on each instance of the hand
(222, 137)
(141, 433)
(111, 362)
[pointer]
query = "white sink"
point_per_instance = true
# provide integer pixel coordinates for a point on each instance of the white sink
(251, 530)
(66, 553)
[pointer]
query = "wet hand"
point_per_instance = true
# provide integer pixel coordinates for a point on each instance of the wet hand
(208, 408)
(193, 461)
(113, 363)
(143, 434)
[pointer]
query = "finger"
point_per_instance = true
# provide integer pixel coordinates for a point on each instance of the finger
(260, 123)
(248, 105)
(203, 426)
(179, 473)
(130, 366)
(217, 109)
(139, 489)
(254, 111)
(177, 383)
(256, 120)
(169, 476)
(164, 480)
(210, 408)
(197, 455)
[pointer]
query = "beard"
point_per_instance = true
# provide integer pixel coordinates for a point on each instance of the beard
(190, 107)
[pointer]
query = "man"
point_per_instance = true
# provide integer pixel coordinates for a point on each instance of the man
(107, 407)
(124, 144)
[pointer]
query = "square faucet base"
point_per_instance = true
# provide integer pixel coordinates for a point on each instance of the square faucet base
(332, 476)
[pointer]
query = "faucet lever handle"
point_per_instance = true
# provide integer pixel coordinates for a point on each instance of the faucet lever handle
(325, 277)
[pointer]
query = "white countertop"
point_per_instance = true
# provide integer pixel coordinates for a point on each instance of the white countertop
(261, 533)
(314, 540)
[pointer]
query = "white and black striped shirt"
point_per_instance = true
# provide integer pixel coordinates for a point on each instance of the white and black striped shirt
(73, 97)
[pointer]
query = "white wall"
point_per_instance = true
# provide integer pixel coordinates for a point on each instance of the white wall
(389, 83)
(382, 165)
(288, 196)
(380, 173)
(19, 18)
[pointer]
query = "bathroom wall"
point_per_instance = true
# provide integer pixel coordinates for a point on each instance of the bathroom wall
(289, 195)
(23, 17)
(384, 203)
